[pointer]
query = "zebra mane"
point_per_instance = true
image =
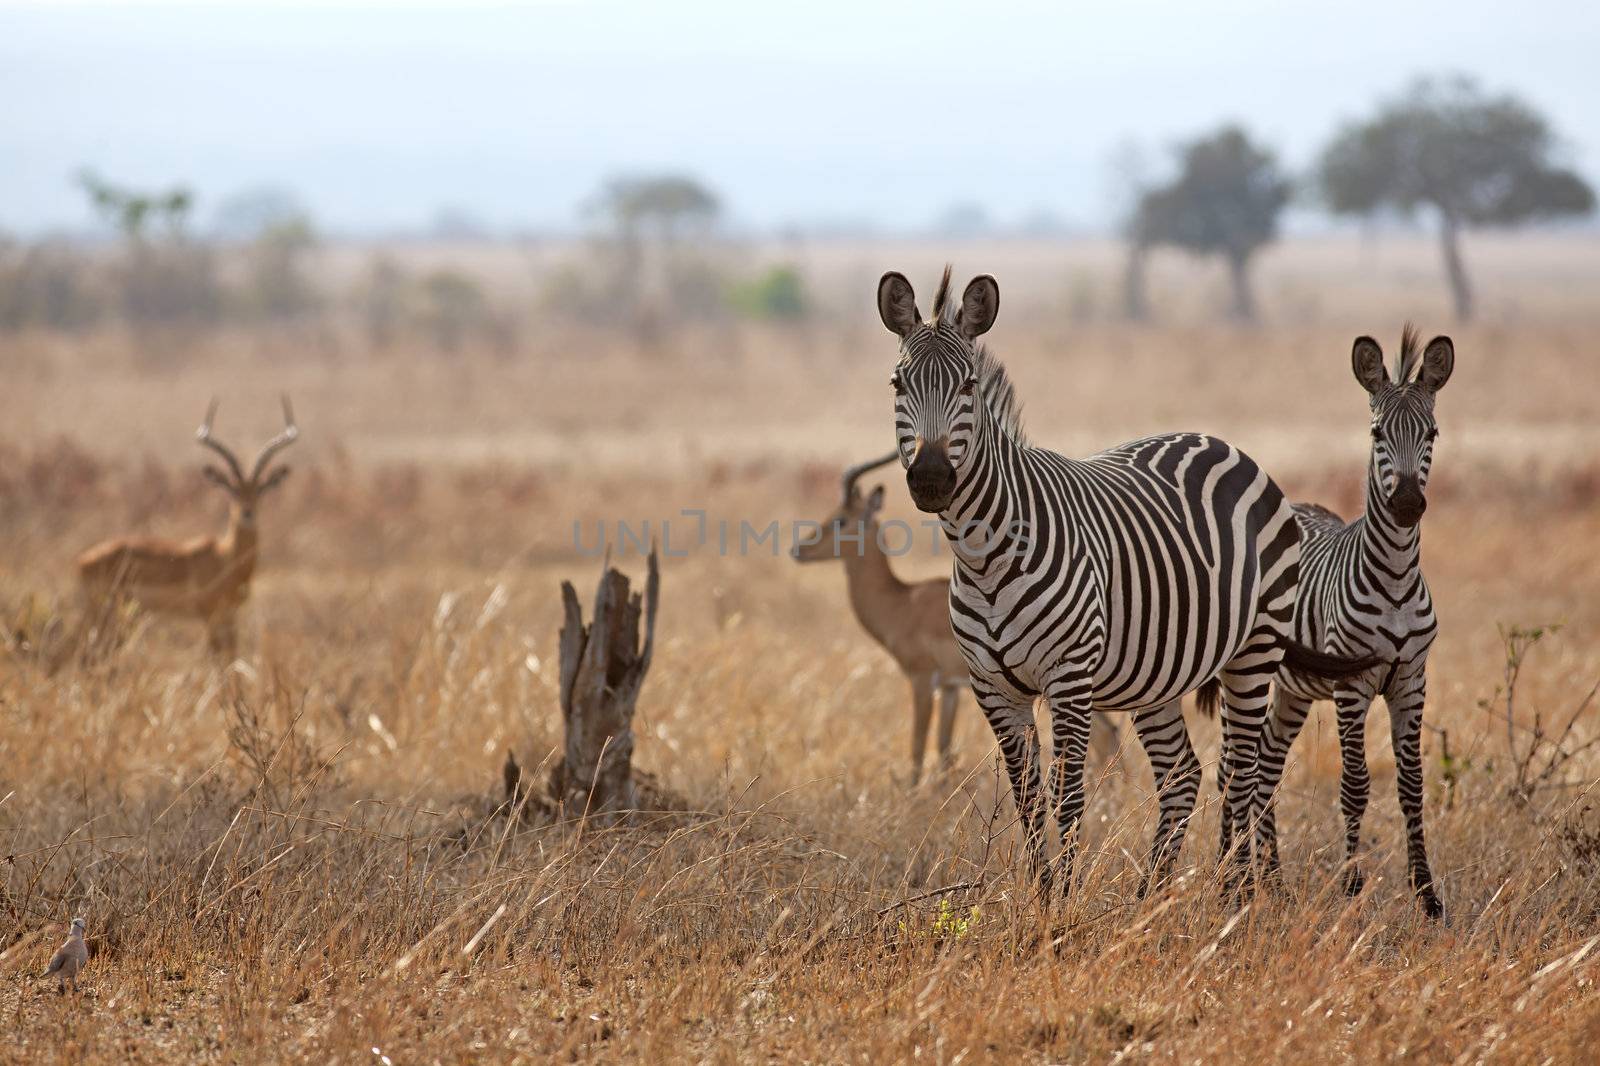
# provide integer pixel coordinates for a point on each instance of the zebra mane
(995, 386)
(1406, 364)
(941, 298)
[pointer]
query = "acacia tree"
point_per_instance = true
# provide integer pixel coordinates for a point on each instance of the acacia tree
(1225, 201)
(1476, 160)
(164, 278)
(647, 219)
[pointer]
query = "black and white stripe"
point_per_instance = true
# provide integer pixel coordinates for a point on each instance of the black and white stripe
(1117, 582)
(1362, 593)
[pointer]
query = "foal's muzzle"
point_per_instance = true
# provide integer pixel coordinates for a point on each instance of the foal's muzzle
(1406, 502)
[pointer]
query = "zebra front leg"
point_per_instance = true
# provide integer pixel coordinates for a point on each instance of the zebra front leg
(1018, 736)
(1071, 716)
(1165, 738)
(1405, 695)
(1355, 783)
(1284, 722)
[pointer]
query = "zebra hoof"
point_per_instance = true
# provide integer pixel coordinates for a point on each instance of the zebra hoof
(1354, 882)
(1431, 906)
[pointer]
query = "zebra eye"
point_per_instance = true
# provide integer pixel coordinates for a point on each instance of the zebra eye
(896, 384)
(1433, 435)
(1377, 434)
(968, 386)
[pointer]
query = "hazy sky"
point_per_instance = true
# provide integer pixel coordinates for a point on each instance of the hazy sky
(378, 115)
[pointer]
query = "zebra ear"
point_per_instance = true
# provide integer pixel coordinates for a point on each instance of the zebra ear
(1366, 360)
(979, 306)
(897, 304)
(1438, 360)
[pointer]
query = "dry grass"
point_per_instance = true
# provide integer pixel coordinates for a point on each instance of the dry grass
(298, 856)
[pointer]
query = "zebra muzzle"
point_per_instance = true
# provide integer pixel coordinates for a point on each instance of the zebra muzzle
(931, 477)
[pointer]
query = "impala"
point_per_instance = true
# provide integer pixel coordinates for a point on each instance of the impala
(204, 577)
(910, 621)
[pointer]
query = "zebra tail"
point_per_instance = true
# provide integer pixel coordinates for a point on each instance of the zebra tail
(1209, 697)
(1309, 660)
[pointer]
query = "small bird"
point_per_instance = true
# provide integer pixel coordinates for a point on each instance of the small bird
(66, 962)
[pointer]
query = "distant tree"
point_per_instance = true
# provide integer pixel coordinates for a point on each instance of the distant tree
(663, 206)
(645, 220)
(1225, 201)
(1476, 160)
(133, 212)
(164, 278)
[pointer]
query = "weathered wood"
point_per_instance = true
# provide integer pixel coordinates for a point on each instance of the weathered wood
(603, 666)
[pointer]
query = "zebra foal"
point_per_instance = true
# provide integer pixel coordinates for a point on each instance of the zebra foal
(1362, 593)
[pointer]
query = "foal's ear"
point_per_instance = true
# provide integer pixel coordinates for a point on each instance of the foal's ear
(897, 304)
(979, 306)
(1366, 361)
(1438, 360)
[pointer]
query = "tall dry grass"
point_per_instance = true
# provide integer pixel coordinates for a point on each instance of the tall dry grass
(301, 855)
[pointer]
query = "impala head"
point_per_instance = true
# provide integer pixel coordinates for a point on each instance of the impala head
(246, 489)
(1403, 427)
(938, 380)
(850, 522)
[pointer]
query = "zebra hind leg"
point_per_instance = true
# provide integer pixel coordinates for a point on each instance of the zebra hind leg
(1246, 688)
(1165, 739)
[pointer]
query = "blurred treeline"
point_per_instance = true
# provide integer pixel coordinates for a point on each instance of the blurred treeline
(656, 252)
(650, 259)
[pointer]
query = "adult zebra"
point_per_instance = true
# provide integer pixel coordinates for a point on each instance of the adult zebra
(1117, 582)
(1362, 592)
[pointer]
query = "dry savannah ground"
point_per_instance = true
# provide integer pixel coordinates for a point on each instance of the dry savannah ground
(299, 855)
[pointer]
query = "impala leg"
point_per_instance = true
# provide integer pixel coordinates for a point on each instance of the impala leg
(1165, 739)
(921, 716)
(222, 635)
(949, 697)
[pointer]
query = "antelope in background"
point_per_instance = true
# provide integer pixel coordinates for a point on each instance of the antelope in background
(203, 577)
(910, 621)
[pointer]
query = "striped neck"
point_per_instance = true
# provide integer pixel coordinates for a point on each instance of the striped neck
(986, 522)
(1391, 553)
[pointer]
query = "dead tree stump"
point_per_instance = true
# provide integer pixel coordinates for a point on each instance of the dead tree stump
(602, 669)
